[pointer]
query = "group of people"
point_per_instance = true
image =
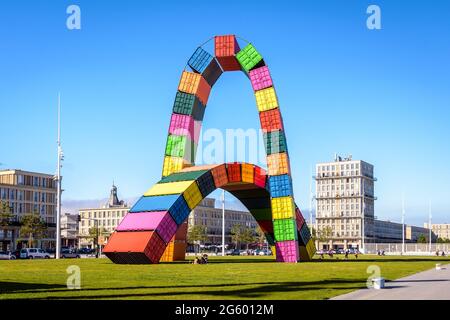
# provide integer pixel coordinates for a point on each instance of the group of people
(331, 254)
(203, 259)
(380, 253)
(442, 254)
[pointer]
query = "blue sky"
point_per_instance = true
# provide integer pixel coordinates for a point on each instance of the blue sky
(381, 95)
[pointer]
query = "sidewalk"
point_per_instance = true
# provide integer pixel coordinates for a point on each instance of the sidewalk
(427, 285)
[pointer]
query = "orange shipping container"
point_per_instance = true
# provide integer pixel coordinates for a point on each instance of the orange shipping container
(278, 163)
(194, 83)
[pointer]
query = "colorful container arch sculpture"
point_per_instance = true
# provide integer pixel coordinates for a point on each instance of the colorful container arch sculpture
(155, 228)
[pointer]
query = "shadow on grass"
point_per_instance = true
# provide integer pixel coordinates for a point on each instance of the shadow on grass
(237, 290)
(13, 287)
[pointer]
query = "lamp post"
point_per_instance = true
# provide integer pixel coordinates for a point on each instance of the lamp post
(429, 226)
(223, 223)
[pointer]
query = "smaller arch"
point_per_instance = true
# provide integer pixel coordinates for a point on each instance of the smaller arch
(145, 232)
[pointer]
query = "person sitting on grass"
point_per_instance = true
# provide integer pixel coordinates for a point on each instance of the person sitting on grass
(205, 259)
(196, 261)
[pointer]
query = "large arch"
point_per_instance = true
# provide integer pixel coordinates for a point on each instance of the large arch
(150, 229)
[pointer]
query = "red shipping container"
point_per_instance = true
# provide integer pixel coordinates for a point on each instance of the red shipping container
(299, 218)
(220, 175)
(226, 48)
(271, 120)
(260, 177)
(234, 172)
(134, 247)
(181, 233)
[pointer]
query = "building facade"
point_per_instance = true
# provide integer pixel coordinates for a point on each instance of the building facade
(25, 193)
(69, 230)
(344, 202)
(106, 219)
(441, 230)
(345, 208)
(206, 214)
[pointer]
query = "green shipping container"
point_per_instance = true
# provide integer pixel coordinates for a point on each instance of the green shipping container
(249, 57)
(180, 146)
(183, 176)
(285, 229)
(188, 104)
(275, 141)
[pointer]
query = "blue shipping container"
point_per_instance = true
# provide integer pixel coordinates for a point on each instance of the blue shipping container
(280, 186)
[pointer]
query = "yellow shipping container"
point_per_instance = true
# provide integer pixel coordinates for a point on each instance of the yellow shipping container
(266, 99)
(160, 189)
(189, 82)
(311, 248)
(247, 172)
(193, 196)
(283, 208)
(304, 255)
(171, 165)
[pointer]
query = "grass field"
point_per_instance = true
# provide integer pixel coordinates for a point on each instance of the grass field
(223, 278)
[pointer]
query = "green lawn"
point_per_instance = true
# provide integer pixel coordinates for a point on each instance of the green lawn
(222, 278)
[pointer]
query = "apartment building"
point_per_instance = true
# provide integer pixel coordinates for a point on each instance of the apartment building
(27, 192)
(442, 230)
(106, 218)
(69, 230)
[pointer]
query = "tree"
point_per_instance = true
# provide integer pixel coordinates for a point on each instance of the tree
(324, 235)
(197, 233)
(33, 227)
(421, 239)
(260, 236)
(241, 234)
(6, 216)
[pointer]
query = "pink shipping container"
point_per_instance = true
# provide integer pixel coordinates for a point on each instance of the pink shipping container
(287, 251)
(182, 125)
(160, 221)
(260, 78)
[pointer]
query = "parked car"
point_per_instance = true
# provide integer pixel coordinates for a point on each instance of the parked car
(34, 253)
(16, 254)
(86, 251)
(7, 255)
(235, 252)
(68, 254)
(340, 251)
(265, 252)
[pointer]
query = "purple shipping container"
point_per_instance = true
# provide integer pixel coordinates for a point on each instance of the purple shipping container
(287, 251)
(260, 78)
(160, 221)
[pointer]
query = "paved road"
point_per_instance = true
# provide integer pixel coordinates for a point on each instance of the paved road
(427, 285)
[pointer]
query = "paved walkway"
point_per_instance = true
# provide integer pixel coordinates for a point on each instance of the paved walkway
(427, 285)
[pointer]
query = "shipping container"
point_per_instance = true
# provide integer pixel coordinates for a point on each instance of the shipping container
(171, 165)
(192, 196)
(157, 203)
(183, 176)
(256, 203)
(299, 218)
(179, 210)
(311, 248)
(220, 175)
(206, 184)
(250, 192)
(266, 99)
(137, 247)
(284, 229)
(181, 233)
(175, 251)
(280, 186)
(305, 235)
(249, 58)
(262, 214)
(248, 172)
(168, 188)
(278, 163)
(260, 78)
(275, 141)
(283, 208)
(194, 83)
(205, 64)
(271, 120)
(260, 177)
(181, 146)
(266, 225)
(287, 251)
(234, 172)
(159, 221)
(189, 104)
(182, 125)
(225, 48)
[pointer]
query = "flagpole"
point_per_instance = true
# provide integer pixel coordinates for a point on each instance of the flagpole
(403, 223)
(223, 223)
(429, 225)
(58, 181)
